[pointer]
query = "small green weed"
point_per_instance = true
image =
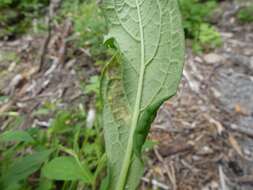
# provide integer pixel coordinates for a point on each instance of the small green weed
(245, 15)
(3, 99)
(17, 16)
(9, 56)
(89, 25)
(208, 38)
(196, 26)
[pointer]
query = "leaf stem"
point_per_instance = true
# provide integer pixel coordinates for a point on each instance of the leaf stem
(128, 155)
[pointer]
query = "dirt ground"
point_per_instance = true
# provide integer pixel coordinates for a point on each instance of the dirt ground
(205, 133)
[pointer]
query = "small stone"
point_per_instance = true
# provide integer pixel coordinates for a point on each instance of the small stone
(205, 150)
(198, 59)
(227, 35)
(212, 58)
(248, 52)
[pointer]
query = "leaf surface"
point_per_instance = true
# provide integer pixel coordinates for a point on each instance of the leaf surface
(17, 136)
(23, 167)
(66, 168)
(149, 36)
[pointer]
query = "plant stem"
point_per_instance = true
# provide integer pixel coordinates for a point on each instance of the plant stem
(128, 155)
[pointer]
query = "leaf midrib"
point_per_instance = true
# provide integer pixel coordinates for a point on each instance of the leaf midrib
(127, 158)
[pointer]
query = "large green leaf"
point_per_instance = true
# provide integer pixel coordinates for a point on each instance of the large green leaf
(17, 136)
(149, 36)
(23, 167)
(66, 168)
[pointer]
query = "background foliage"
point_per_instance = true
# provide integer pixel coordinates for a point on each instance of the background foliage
(89, 23)
(245, 15)
(16, 16)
